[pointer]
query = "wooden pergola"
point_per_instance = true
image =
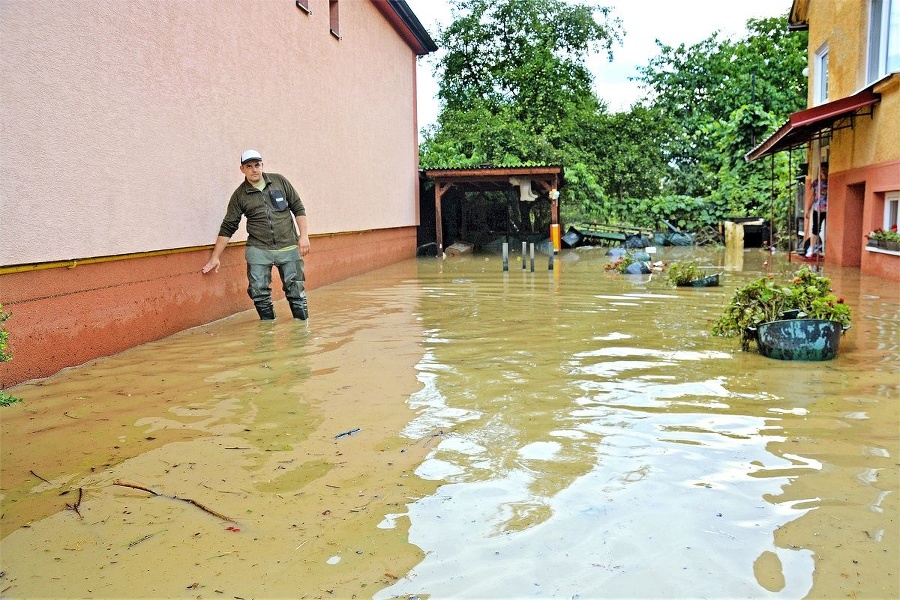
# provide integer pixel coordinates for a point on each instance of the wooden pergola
(547, 178)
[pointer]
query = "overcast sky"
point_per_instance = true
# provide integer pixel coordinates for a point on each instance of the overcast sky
(671, 21)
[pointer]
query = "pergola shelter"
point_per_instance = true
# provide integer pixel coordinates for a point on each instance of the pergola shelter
(530, 183)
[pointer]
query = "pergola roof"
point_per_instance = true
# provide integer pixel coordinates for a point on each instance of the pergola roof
(492, 178)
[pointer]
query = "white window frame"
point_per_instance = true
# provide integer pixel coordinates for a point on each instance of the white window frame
(820, 76)
(891, 210)
(884, 39)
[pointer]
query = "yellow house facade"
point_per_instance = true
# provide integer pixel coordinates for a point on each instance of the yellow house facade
(852, 126)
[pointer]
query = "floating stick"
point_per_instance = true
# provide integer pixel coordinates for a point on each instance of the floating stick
(188, 500)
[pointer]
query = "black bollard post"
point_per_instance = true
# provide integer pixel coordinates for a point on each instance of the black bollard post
(524, 254)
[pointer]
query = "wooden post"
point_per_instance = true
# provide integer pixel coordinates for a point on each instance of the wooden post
(555, 240)
(439, 191)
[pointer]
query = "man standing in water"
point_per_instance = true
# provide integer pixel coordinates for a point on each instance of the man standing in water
(272, 206)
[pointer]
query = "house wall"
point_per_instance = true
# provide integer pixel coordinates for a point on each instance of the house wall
(864, 160)
(842, 25)
(67, 315)
(856, 207)
(122, 126)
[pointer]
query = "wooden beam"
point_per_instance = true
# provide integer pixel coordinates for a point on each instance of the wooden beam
(439, 190)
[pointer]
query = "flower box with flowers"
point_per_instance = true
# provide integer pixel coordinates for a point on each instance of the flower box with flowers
(887, 240)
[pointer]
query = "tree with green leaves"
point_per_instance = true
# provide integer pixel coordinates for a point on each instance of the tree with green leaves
(698, 89)
(514, 87)
(528, 55)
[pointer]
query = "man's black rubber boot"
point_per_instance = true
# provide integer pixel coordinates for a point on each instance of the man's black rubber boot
(266, 313)
(299, 310)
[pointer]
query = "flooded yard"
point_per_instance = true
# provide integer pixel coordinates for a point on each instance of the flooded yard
(444, 429)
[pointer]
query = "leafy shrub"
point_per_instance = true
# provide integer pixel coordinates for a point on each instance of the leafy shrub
(5, 356)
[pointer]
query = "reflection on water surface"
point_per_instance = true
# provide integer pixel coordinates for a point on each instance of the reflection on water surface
(600, 443)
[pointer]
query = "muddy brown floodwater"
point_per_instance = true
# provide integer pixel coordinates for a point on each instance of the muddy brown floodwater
(444, 429)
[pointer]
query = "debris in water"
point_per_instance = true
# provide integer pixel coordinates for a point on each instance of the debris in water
(188, 500)
(77, 504)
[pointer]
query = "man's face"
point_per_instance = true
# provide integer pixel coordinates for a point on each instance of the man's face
(253, 171)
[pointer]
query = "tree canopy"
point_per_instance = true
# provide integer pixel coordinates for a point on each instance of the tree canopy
(525, 55)
(514, 87)
(697, 89)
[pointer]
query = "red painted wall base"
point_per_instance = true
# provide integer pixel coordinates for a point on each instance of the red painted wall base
(66, 316)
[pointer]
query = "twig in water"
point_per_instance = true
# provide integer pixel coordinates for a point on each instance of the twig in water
(432, 436)
(77, 504)
(188, 500)
(143, 539)
(39, 477)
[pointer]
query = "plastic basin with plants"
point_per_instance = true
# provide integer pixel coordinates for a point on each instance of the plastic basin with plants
(687, 274)
(798, 320)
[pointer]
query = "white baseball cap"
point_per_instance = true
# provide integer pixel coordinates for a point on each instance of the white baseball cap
(249, 155)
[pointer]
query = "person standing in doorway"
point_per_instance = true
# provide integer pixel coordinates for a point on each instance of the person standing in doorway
(277, 235)
(818, 210)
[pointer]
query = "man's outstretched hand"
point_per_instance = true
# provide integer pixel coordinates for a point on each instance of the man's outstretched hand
(212, 265)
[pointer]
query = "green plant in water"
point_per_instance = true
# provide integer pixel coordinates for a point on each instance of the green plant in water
(765, 300)
(682, 272)
(5, 356)
(620, 264)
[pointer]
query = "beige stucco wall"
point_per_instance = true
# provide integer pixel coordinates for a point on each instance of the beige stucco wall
(874, 138)
(843, 26)
(121, 123)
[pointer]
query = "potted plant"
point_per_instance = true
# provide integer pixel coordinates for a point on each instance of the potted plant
(800, 320)
(686, 273)
(889, 240)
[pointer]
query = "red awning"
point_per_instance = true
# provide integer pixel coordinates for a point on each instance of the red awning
(806, 124)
